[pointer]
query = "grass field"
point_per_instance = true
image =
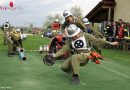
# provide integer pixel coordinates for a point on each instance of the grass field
(112, 74)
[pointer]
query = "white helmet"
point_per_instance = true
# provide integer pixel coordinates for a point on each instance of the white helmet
(67, 13)
(85, 21)
(18, 30)
(56, 20)
(72, 30)
(7, 21)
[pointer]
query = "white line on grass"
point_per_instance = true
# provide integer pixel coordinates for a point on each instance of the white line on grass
(83, 83)
(115, 71)
(107, 61)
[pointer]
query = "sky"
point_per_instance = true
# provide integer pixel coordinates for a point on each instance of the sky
(36, 11)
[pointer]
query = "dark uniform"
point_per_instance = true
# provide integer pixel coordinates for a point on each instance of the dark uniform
(56, 43)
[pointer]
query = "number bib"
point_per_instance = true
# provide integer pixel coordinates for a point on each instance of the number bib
(79, 44)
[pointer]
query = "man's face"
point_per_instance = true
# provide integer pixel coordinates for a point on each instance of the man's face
(70, 19)
(75, 37)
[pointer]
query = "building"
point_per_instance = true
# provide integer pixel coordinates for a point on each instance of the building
(122, 10)
(110, 10)
(35, 30)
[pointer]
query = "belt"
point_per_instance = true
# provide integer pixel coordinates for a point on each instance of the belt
(84, 51)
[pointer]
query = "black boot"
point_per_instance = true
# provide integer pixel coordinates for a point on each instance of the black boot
(75, 79)
(10, 55)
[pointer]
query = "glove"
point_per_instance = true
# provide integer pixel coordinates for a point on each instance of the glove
(94, 57)
(48, 60)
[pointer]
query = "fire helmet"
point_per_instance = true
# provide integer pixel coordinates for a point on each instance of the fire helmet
(67, 13)
(85, 21)
(72, 30)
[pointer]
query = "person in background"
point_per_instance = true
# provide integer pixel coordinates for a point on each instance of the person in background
(16, 38)
(96, 33)
(128, 28)
(56, 43)
(115, 29)
(109, 32)
(6, 27)
(121, 31)
(7, 30)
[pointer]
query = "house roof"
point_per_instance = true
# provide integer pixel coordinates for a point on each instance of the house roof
(100, 11)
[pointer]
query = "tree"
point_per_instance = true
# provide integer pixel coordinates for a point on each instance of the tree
(28, 27)
(51, 18)
(76, 11)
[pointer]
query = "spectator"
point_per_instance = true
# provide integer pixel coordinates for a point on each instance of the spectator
(114, 29)
(127, 29)
(109, 32)
(121, 31)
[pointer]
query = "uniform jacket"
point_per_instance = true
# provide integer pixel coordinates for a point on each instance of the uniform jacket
(90, 39)
(82, 26)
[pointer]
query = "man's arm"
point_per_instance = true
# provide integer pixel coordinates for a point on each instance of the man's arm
(64, 49)
(96, 32)
(80, 24)
(97, 41)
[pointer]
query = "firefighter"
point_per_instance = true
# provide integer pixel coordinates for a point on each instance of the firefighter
(57, 43)
(70, 19)
(17, 44)
(6, 27)
(78, 42)
(18, 30)
(96, 33)
(91, 30)
(7, 30)
(16, 38)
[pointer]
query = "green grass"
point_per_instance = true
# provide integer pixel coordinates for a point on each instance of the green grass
(33, 42)
(118, 56)
(2, 47)
(112, 74)
(34, 75)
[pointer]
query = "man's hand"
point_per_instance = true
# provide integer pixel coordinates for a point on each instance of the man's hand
(114, 43)
(49, 60)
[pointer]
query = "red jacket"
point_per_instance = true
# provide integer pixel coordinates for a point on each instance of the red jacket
(121, 32)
